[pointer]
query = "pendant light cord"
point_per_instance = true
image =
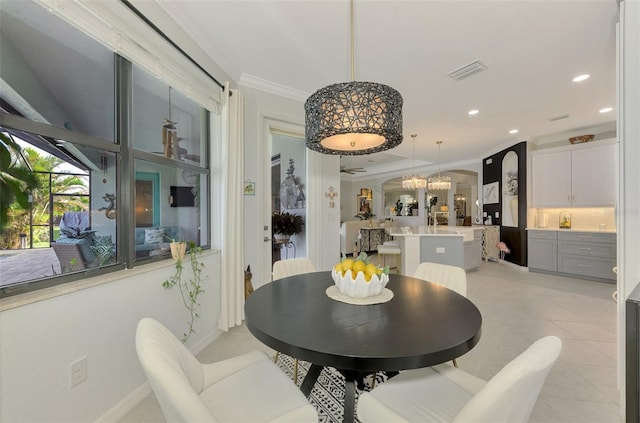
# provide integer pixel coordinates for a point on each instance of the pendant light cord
(414, 151)
(439, 142)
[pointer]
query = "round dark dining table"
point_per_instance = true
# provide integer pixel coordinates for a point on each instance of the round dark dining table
(422, 325)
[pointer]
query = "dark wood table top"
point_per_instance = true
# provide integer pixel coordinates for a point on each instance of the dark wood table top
(423, 325)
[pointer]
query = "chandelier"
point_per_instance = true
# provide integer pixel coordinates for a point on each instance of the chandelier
(353, 118)
(414, 180)
(439, 182)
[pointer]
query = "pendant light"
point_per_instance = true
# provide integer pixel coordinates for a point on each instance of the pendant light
(353, 118)
(414, 180)
(439, 182)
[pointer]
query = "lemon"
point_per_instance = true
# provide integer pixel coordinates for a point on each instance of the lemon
(358, 267)
(338, 268)
(347, 264)
(370, 270)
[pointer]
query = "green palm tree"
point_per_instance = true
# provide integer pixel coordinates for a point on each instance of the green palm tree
(17, 180)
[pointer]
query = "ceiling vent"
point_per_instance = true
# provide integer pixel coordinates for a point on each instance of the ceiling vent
(467, 70)
(553, 119)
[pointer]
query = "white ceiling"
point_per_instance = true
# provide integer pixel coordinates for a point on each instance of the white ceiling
(532, 50)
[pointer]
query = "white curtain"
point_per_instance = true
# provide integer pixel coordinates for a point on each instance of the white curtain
(232, 251)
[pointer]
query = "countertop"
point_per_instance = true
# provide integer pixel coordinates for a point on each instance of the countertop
(417, 231)
(608, 231)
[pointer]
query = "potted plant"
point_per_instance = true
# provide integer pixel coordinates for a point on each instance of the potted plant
(285, 224)
(190, 288)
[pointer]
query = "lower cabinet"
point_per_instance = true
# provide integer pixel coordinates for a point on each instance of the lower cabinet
(473, 252)
(590, 255)
(542, 247)
(587, 254)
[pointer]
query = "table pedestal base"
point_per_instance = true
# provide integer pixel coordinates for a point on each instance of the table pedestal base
(350, 379)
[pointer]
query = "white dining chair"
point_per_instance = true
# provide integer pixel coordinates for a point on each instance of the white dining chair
(283, 269)
(446, 394)
(290, 267)
(452, 277)
(247, 388)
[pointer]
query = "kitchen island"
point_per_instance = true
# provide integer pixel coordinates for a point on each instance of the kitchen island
(457, 246)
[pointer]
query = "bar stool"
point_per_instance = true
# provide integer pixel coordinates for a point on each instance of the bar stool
(388, 249)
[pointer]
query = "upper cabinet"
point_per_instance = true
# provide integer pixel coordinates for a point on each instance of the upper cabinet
(584, 175)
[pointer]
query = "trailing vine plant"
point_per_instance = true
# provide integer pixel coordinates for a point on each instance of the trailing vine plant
(189, 289)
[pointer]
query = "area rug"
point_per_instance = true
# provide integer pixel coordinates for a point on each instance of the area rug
(328, 393)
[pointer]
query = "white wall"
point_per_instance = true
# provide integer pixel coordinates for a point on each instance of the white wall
(40, 340)
(322, 224)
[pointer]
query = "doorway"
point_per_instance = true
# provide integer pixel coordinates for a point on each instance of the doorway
(288, 194)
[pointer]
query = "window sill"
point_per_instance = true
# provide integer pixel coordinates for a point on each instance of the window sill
(70, 287)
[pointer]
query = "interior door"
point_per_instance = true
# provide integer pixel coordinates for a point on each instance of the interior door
(285, 157)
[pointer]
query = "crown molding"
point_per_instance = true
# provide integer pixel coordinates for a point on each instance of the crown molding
(254, 82)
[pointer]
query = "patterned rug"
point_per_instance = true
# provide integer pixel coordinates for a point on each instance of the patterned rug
(328, 393)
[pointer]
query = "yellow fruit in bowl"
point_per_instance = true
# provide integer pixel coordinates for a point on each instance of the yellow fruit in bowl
(370, 270)
(358, 266)
(338, 268)
(347, 264)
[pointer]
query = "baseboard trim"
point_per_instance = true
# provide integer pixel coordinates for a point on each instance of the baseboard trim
(129, 402)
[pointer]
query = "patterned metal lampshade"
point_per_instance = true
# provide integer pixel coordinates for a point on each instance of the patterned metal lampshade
(353, 118)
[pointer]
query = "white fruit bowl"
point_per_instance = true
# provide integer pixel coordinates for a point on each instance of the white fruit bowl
(358, 287)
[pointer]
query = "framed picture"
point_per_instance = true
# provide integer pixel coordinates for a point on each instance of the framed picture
(249, 188)
(491, 193)
(364, 204)
(366, 192)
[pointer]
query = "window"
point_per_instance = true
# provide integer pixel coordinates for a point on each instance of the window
(171, 189)
(60, 103)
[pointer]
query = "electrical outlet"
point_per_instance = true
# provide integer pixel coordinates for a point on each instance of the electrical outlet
(78, 371)
(440, 250)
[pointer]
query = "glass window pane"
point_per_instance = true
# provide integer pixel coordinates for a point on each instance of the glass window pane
(71, 224)
(54, 73)
(170, 204)
(173, 132)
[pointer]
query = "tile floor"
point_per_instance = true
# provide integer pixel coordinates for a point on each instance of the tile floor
(517, 308)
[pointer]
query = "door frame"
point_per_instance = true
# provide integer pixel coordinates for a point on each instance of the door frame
(277, 126)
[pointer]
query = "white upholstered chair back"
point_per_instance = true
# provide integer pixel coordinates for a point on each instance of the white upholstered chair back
(290, 267)
(451, 277)
(243, 388)
(511, 394)
(447, 394)
(174, 374)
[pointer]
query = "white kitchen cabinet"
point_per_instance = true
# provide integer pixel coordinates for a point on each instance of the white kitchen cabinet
(551, 179)
(578, 176)
(594, 176)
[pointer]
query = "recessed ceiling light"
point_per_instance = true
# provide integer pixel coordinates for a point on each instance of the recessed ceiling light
(606, 110)
(473, 112)
(581, 78)
(513, 131)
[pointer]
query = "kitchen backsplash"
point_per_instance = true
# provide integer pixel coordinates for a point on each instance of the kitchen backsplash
(581, 218)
